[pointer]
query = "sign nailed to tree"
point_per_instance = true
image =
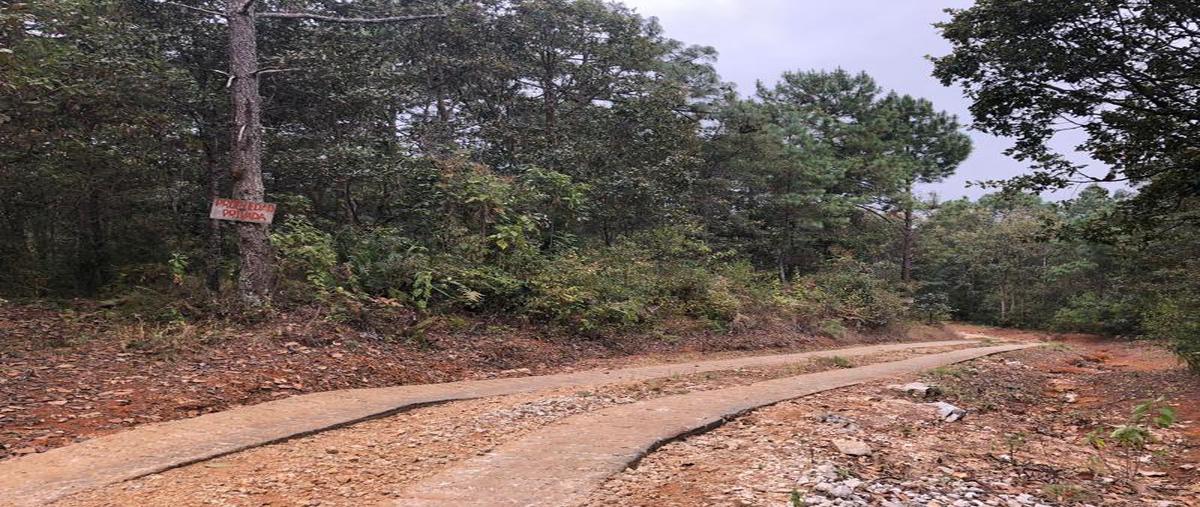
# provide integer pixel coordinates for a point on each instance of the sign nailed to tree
(242, 211)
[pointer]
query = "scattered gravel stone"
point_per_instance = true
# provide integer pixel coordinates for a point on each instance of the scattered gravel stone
(916, 389)
(844, 423)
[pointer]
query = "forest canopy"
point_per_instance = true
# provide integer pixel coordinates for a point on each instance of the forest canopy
(567, 162)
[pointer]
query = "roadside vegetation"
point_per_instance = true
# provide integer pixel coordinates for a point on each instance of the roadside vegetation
(567, 164)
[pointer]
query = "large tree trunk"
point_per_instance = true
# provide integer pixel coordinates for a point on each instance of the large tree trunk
(1004, 301)
(906, 246)
(212, 264)
(906, 238)
(93, 269)
(549, 99)
(245, 154)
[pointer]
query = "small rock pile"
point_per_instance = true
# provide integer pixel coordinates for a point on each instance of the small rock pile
(827, 486)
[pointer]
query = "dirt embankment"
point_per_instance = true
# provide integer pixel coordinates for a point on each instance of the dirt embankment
(69, 376)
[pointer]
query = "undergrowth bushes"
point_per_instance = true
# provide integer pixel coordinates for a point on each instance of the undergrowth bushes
(845, 293)
(634, 284)
(502, 250)
(1177, 321)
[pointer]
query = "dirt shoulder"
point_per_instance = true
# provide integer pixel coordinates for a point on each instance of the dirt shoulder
(1023, 442)
(70, 376)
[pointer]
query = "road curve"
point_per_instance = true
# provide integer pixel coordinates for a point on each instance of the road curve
(559, 465)
(41, 478)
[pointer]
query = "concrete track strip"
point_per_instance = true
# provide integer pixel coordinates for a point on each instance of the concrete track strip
(559, 465)
(41, 478)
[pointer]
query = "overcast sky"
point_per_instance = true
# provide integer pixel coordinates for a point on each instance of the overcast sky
(889, 39)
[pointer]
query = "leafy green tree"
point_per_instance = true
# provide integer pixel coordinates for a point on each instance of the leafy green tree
(923, 145)
(1121, 73)
(990, 257)
(811, 155)
(83, 89)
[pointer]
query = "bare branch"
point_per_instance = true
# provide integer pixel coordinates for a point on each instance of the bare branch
(245, 7)
(197, 9)
(875, 212)
(336, 19)
(263, 72)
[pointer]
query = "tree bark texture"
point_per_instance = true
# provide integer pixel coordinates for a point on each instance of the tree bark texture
(906, 246)
(245, 154)
(215, 239)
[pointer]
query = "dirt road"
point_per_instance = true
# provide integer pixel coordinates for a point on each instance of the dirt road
(1022, 443)
(38, 478)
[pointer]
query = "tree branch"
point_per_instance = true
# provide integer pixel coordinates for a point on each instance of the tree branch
(197, 9)
(336, 19)
(264, 72)
(245, 7)
(875, 212)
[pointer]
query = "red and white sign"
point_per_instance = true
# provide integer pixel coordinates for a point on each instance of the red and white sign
(242, 211)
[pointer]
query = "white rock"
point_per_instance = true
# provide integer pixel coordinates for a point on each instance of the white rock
(918, 389)
(827, 471)
(948, 412)
(852, 447)
(841, 491)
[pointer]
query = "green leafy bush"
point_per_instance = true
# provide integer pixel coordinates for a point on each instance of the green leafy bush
(1091, 313)
(932, 307)
(848, 292)
(1177, 321)
(667, 271)
(1130, 439)
(306, 260)
(591, 292)
(636, 283)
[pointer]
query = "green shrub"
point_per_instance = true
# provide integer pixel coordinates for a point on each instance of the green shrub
(848, 292)
(636, 283)
(1177, 321)
(590, 293)
(304, 253)
(832, 328)
(1090, 313)
(387, 264)
(932, 307)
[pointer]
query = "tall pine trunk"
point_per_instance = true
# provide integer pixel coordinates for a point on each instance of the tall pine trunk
(906, 238)
(245, 154)
(215, 239)
(906, 245)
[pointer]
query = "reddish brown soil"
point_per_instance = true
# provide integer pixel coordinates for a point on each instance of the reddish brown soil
(1022, 436)
(1110, 376)
(70, 376)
